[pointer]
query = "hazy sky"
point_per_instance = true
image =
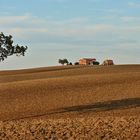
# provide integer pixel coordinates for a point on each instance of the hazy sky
(71, 29)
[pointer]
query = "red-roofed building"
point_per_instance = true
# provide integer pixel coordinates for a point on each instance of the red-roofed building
(87, 61)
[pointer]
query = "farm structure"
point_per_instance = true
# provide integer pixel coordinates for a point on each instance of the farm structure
(87, 61)
(108, 62)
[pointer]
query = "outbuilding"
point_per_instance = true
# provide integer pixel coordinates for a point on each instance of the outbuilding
(108, 62)
(87, 61)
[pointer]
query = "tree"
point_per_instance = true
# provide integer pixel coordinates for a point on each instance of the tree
(96, 63)
(70, 63)
(63, 61)
(7, 48)
(76, 63)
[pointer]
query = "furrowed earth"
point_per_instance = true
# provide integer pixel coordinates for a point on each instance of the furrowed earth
(71, 102)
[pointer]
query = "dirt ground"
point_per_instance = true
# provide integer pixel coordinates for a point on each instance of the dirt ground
(68, 102)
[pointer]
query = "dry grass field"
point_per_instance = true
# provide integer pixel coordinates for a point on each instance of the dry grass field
(71, 102)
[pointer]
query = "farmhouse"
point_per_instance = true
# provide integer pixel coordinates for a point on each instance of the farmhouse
(108, 62)
(87, 61)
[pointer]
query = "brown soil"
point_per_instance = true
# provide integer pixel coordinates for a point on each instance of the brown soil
(102, 99)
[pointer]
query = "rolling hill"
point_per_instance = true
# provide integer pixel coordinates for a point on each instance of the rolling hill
(63, 92)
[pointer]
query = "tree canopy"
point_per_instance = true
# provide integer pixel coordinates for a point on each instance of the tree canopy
(7, 48)
(63, 61)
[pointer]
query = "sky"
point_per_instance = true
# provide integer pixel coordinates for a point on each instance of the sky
(72, 29)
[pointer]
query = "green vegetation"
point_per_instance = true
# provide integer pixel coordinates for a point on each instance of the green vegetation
(7, 48)
(63, 61)
(96, 63)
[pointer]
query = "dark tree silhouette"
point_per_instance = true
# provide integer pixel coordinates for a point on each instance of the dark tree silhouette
(63, 61)
(96, 63)
(70, 63)
(7, 48)
(76, 63)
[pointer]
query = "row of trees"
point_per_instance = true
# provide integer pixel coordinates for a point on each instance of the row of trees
(7, 48)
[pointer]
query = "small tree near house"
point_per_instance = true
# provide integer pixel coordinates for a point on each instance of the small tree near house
(96, 63)
(70, 63)
(63, 61)
(76, 63)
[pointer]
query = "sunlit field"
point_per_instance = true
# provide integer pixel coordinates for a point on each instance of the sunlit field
(81, 102)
